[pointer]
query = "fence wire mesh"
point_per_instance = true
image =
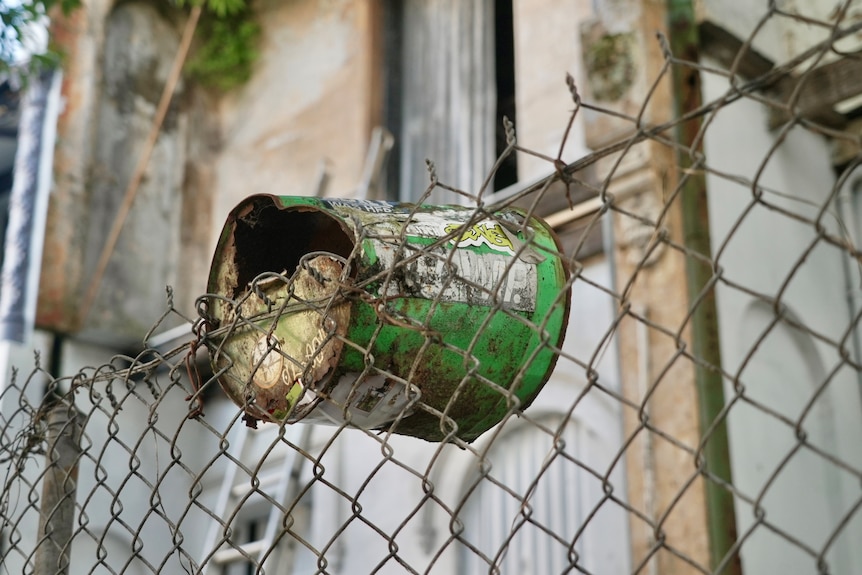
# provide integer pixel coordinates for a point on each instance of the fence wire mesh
(647, 451)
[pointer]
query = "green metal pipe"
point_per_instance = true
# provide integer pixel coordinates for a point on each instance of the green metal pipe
(721, 517)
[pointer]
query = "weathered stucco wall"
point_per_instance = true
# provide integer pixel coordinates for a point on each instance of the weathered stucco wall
(546, 48)
(114, 78)
(308, 103)
(133, 73)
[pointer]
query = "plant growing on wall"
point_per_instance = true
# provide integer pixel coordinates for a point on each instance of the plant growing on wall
(223, 57)
(228, 44)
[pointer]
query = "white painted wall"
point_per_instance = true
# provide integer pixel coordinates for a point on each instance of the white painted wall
(16, 412)
(783, 368)
(127, 452)
(386, 479)
(130, 453)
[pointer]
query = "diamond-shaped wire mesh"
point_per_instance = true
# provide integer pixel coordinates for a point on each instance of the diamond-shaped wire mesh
(703, 413)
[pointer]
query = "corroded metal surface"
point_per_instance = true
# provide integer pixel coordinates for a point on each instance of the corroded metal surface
(292, 344)
(437, 318)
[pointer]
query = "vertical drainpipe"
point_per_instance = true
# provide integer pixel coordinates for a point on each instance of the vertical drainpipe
(721, 517)
(846, 204)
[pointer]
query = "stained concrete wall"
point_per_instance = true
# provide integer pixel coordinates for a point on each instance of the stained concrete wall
(114, 78)
(546, 48)
(308, 104)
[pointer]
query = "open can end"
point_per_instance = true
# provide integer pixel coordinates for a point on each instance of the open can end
(278, 279)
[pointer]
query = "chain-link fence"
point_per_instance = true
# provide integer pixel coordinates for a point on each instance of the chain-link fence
(668, 382)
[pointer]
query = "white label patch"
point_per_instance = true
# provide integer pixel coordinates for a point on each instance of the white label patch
(467, 277)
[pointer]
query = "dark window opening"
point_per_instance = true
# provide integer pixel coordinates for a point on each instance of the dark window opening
(504, 39)
(417, 62)
(9, 118)
(393, 42)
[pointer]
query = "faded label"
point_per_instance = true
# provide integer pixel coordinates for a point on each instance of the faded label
(312, 352)
(371, 401)
(267, 362)
(488, 233)
(371, 206)
(466, 277)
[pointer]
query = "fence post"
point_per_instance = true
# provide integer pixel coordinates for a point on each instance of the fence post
(721, 517)
(59, 485)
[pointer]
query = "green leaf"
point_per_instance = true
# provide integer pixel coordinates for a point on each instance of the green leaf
(221, 8)
(225, 58)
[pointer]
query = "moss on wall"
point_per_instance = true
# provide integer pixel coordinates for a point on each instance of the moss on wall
(225, 57)
(610, 65)
(226, 51)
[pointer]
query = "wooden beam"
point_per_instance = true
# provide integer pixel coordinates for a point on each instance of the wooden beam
(724, 47)
(820, 90)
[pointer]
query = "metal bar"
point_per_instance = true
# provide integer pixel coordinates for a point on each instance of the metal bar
(581, 210)
(59, 485)
(373, 173)
(171, 337)
(684, 42)
(233, 554)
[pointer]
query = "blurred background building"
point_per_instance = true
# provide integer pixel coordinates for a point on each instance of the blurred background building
(347, 99)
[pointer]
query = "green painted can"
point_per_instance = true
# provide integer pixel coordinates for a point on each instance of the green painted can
(430, 321)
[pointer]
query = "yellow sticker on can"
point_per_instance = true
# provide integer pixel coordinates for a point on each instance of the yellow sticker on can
(488, 233)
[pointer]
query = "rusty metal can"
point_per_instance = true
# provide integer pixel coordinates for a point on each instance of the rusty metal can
(431, 321)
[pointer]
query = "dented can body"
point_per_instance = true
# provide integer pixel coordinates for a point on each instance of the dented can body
(431, 321)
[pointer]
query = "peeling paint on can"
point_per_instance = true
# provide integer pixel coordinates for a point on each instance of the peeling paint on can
(431, 321)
